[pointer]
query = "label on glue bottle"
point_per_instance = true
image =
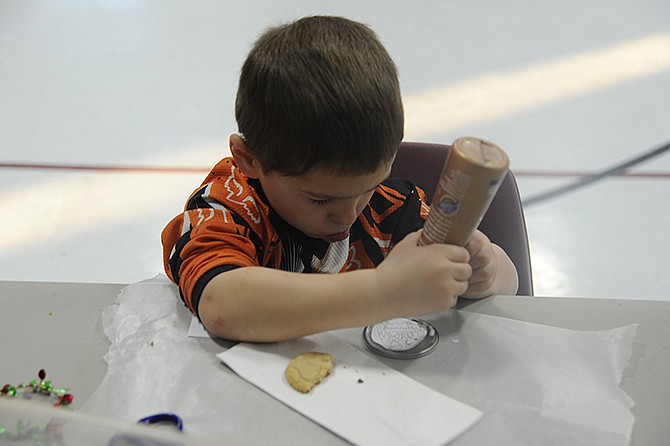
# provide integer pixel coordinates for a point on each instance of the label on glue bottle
(470, 179)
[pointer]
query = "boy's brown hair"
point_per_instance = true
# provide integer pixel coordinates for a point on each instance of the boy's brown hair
(320, 92)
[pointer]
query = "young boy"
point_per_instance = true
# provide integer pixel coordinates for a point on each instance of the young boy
(307, 191)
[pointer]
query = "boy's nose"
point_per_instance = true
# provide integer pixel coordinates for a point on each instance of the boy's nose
(346, 216)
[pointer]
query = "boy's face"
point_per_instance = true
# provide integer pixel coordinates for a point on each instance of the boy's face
(321, 204)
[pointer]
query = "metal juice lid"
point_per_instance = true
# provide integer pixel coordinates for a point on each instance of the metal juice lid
(401, 338)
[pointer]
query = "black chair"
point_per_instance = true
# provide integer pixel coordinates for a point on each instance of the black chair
(503, 223)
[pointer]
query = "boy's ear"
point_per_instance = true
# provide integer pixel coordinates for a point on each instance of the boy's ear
(243, 157)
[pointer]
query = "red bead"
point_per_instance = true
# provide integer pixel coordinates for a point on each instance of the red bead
(5, 390)
(67, 398)
(42, 374)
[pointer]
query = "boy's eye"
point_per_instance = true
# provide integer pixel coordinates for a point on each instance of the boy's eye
(320, 202)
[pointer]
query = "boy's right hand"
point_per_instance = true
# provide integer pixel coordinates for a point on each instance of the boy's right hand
(416, 280)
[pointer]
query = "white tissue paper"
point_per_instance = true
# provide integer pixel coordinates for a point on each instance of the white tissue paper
(534, 384)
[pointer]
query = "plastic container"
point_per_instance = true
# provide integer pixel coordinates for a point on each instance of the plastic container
(470, 179)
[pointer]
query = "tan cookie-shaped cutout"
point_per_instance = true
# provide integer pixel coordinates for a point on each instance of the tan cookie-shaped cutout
(308, 369)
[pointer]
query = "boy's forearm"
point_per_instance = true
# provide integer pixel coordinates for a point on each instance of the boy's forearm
(262, 304)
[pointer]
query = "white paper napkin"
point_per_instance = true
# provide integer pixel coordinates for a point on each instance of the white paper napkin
(363, 401)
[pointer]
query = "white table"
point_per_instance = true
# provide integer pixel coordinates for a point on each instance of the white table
(57, 327)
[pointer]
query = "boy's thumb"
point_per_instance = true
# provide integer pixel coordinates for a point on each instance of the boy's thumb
(413, 237)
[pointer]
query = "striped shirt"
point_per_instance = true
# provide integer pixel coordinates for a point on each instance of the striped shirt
(228, 223)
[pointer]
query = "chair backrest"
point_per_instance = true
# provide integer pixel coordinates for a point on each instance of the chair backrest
(503, 223)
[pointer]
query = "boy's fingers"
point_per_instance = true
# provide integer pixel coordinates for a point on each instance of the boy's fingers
(476, 243)
(462, 273)
(456, 253)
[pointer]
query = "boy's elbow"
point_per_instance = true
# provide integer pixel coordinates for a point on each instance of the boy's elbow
(212, 319)
(215, 315)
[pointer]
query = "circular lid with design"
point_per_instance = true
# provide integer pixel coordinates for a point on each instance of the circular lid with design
(401, 338)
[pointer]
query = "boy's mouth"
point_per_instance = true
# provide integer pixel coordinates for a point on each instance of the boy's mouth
(332, 238)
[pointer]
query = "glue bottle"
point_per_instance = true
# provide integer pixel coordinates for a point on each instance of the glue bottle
(470, 179)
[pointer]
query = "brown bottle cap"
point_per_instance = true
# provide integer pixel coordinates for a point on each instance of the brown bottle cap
(481, 152)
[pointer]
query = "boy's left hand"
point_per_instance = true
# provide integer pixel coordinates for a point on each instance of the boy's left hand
(484, 266)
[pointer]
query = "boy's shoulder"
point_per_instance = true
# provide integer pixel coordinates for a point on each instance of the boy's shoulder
(398, 198)
(223, 170)
(396, 208)
(399, 190)
(401, 185)
(227, 189)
